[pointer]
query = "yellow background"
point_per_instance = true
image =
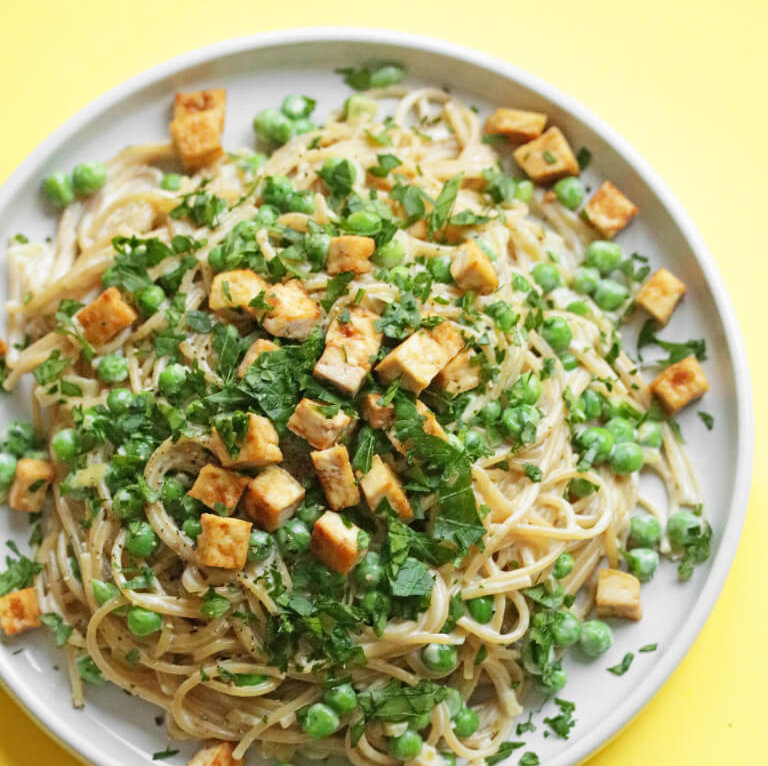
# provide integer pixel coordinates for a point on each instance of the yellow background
(683, 80)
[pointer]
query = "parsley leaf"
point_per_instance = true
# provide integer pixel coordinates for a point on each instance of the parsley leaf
(198, 321)
(400, 318)
(214, 605)
(339, 176)
(412, 199)
(365, 77)
(677, 351)
(19, 572)
(707, 419)
(468, 218)
(443, 205)
(61, 631)
(533, 472)
(51, 369)
(226, 344)
(201, 207)
(413, 579)
(563, 723)
(648, 648)
(623, 666)
(241, 679)
(529, 759)
(336, 287)
(504, 751)
(386, 163)
(159, 756)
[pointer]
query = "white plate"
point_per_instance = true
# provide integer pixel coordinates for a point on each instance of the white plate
(115, 730)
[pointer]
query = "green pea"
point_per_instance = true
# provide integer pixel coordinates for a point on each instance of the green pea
(454, 701)
(556, 331)
(277, 191)
(566, 628)
(520, 420)
(58, 189)
(293, 537)
(440, 658)
(405, 747)
(141, 539)
(149, 299)
(683, 527)
(267, 215)
(253, 162)
(104, 591)
(192, 527)
(554, 680)
(341, 698)
(369, 573)
(316, 244)
(173, 490)
(627, 457)
(171, 379)
(303, 125)
(273, 126)
(597, 440)
(526, 389)
(375, 602)
(524, 191)
(364, 222)
(546, 276)
(128, 503)
(580, 488)
(319, 721)
(466, 723)
(490, 412)
(296, 107)
(89, 177)
(113, 368)
(440, 268)
(568, 360)
(649, 434)
(642, 562)
(592, 403)
(389, 74)
(260, 545)
(603, 255)
(64, 444)
(475, 443)
(596, 638)
(503, 314)
(171, 182)
(390, 254)
(580, 308)
(609, 294)
(357, 108)
(399, 276)
(142, 622)
(644, 531)
(302, 202)
(569, 192)
(622, 430)
(8, 464)
(585, 280)
(481, 608)
(563, 566)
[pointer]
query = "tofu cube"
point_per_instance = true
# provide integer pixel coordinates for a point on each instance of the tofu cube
(218, 488)
(335, 543)
(272, 498)
(334, 470)
(234, 290)
(105, 317)
(30, 485)
(429, 425)
(223, 541)
(680, 384)
(260, 446)
(309, 422)
(294, 314)
(216, 754)
(3, 348)
(547, 157)
(516, 124)
(609, 211)
(350, 253)
(618, 595)
(472, 269)
(19, 611)
(349, 349)
(418, 359)
(255, 350)
(660, 295)
(459, 375)
(211, 100)
(381, 483)
(379, 416)
(198, 121)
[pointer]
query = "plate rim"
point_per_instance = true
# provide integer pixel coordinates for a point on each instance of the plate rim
(77, 743)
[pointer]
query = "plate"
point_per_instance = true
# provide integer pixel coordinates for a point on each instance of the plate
(114, 730)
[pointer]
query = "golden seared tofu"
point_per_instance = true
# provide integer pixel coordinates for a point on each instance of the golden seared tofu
(310, 421)
(547, 157)
(660, 295)
(19, 611)
(223, 541)
(459, 375)
(272, 497)
(105, 317)
(680, 384)
(234, 290)
(609, 211)
(618, 595)
(350, 253)
(378, 415)
(259, 446)
(336, 542)
(418, 359)
(255, 350)
(472, 269)
(349, 350)
(334, 470)
(293, 314)
(198, 121)
(381, 483)
(30, 484)
(216, 754)
(517, 125)
(218, 488)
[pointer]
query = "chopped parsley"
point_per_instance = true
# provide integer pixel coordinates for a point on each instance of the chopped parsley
(623, 666)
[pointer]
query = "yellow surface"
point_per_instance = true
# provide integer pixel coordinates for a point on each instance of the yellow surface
(683, 81)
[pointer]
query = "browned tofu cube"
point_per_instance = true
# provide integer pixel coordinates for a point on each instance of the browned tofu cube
(516, 124)
(459, 375)
(234, 290)
(321, 431)
(618, 595)
(334, 470)
(350, 253)
(19, 611)
(198, 121)
(272, 497)
(379, 416)
(335, 542)
(30, 485)
(381, 483)
(680, 384)
(294, 314)
(211, 100)
(472, 269)
(218, 488)
(105, 317)
(547, 157)
(223, 541)
(609, 211)
(259, 446)
(3, 348)
(216, 754)
(349, 348)
(255, 350)
(660, 295)
(420, 357)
